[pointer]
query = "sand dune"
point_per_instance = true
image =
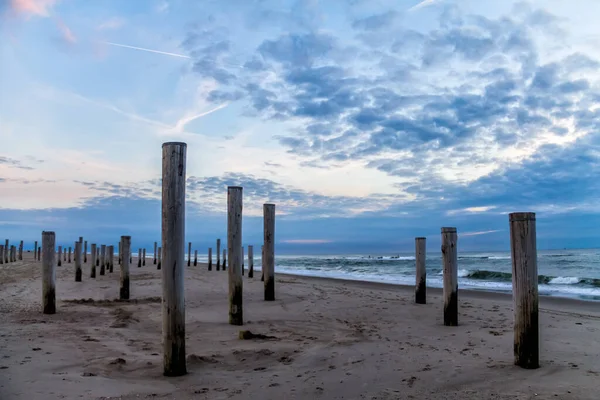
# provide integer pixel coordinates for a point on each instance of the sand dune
(330, 340)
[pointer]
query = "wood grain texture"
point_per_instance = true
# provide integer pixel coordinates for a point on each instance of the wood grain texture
(250, 261)
(102, 259)
(93, 260)
(77, 257)
(124, 279)
(48, 273)
(421, 272)
(450, 266)
(234, 248)
(218, 254)
(523, 248)
(173, 257)
(210, 258)
(269, 251)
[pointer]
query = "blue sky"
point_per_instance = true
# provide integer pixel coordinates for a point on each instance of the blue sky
(367, 122)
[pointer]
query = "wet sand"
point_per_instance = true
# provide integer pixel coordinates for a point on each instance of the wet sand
(333, 340)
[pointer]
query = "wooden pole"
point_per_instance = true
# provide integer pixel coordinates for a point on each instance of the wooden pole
(111, 258)
(421, 273)
(70, 250)
(450, 262)
(140, 258)
(159, 251)
(189, 253)
(154, 254)
(173, 243)
(120, 253)
(269, 263)
(59, 255)
(234, 248)
(13, 253)
(124, 281)
(102, 259)
(144, 257)
(218, 254)
(85, 251)
(93, 260)
(6, 251)
(39, 254)
(49, 273)
(77, 257)
(1, 254)
(210, 258)
(195, 258)
(224, 265)
(262, 263)
(65, 254)
(242, 260)
(250, 261)
(523, 248)
(35, 250)
(21, 251)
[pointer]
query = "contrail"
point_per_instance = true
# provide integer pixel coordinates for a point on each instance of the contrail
(424, 3)
(148, 50)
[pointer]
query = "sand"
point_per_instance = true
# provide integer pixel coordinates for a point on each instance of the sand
(332, 340)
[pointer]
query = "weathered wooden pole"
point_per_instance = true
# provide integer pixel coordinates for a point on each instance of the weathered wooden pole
(124, 281)
(77, 257)
(250, 261)
(120, 253)
(173, 243)
(70, 250)
(450, 263)
(6, 251)
(421, 273)
(35, 250)
(59, 255)
(85, 251)
(93, 260)
(102, 259)
(523, 248)
(210, 258)
(195, 258)
(65, 254)
(159, 251)
(139, 258)
(1, 254)
(269, 238)
(111, 258)
(21, 251)
(262, 263)
(242, 260)
(49, 273)
(154, 254)
(144, 257)
(218, 254)
(234, 248)
(189, 253)
(13, 253)
(97, 256)
(39, 254)
(224, 265)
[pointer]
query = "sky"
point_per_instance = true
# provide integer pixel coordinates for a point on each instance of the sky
(367, 122)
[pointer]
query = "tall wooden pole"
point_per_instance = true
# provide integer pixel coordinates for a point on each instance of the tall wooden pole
(59, 256)
(195, 258)
(70, 250)
(102, 259)
(7, 250)
(93, 260)
(243, 261)
(250, 261)
(77, 257)
(49, 273)
(124, 281)
(120, 253)
(218, 254)
(21, 251)
(1, 254)
(159, 260)
(85, 251)
(450, 262)
(173, 244)
(144, 257)
(189, 253)
(39, 254)
(262, 263)
(210, 258)
(154, 254)
(523, 248)
(224, 264)
(421, 273)
(111, 258)
(140, 257)
(35, 250)
(234, 248)
(269, 238)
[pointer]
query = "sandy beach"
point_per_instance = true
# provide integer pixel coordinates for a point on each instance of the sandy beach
(332, 339)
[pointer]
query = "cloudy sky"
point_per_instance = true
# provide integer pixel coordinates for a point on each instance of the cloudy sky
(368, 122)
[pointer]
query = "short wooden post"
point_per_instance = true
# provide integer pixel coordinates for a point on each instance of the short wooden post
(13, 253)
(140, 258)
(173, 243)
(102, 259)
(234, 248)
(93, 260)
(523, 248)
(195, 258)
(65, 254)
(49, 273)
(59, 256)
(218, 254)
(224, 265)
(70, 250)
(159, 251)
(120, 253)
(6, 252)
(35, 250)
(154, 254)
(111, 258)
(242, 260)
(77, 257)
(269, 238)
(250, 261)
(1, 254)
(85, 251)
(39, 254)
(210, 258)
(124, 281)
(144, 257)
(97, 256)
(421, 273)
(21, 251)
(450, 263)
(262, 263)
(189, 253)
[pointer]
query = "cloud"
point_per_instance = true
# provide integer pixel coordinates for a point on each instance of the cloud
(424, 3)
(13, 163)
(66, 33)
(113, 23)
(32, 7)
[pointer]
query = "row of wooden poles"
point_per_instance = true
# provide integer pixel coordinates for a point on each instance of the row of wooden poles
(523, 254)
(9, 253)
